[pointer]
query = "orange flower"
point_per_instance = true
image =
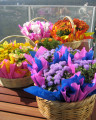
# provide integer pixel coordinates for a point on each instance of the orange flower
(42, 40)
(36, 42)
(50, 39)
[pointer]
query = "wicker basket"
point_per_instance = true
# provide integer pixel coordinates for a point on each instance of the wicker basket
(54, 110)
(74, 44)
(16, 83)
(19, 82)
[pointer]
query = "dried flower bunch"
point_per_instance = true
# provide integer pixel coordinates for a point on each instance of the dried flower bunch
(62, 74)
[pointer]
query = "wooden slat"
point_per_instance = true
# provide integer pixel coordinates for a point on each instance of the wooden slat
(20, 109)
(18, 100)
(16, 92)
(11, 116)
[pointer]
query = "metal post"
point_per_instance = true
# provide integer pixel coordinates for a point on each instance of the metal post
(29, 13)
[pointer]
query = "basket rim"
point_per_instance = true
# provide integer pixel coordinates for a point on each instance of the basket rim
(77, 104)
(15, 78)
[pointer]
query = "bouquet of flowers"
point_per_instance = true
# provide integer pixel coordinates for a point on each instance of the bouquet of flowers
(68, 30)
(64, 75)
(64, 72)
(36, 30)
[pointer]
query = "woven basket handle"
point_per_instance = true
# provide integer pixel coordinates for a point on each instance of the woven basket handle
(39, 18)
(19, 36)
(71, 21)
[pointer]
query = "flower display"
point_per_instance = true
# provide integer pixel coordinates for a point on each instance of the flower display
(12, 61)
(63, 31)
(36, 30)
(62, 74)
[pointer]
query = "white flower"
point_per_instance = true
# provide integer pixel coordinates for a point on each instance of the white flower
(25, 24)
(46, 26)
(36, 28)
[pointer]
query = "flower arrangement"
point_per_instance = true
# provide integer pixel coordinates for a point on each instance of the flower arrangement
(62, 74)
(36, 30)
(48, 43)
(64, 31)
(12, 61)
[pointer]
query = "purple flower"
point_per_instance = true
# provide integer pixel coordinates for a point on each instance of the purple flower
(89, 61)
(47, 74)
(50, 83)
(57, 77)
(94, 61)
(57, 81)
(52, 51)
(51, 71)
(86, 67)
(59, 66)
(76, 65)
(77, 61)
(43, 86)
(62, 63)
(49, 78)
(59, 72)
(66, 68)
(52, 66)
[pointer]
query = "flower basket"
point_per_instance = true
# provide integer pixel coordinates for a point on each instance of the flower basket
(54, 110)
(70, 32)
(36, 30)
(18, 82)
(75, 44)
(64, 88)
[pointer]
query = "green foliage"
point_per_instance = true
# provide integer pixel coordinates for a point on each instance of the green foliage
(48, 43)
(88, 74)
(62, 33)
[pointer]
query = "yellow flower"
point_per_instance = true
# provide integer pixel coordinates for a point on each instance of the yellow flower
(37, 41)
(12, 59)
